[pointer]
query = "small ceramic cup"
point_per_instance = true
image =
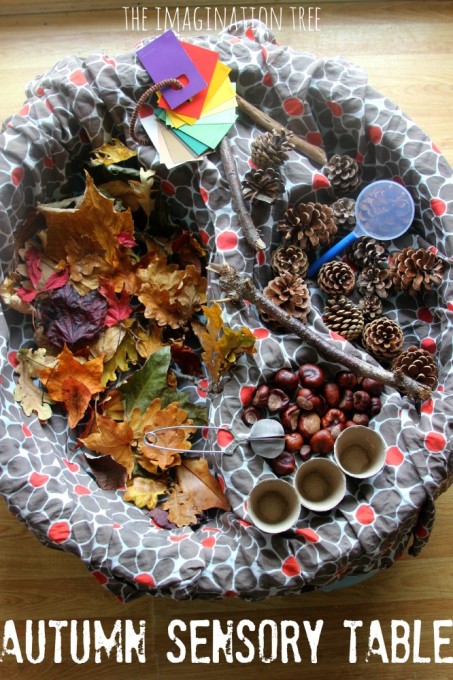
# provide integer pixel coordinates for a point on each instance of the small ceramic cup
(273, 506)
(320, 483)
(360, 452)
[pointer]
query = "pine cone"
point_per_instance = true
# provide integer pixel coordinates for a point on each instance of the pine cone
(418, 364)
(268, 150)
(371, 307)
(344, 213)
(336, 278)
(308, 225)
(291, 294)
(416, 271)
(343, 174)
(366, 250)
(383, 338)
(291, 259)
(343, 317)
(262, 185)
(374, 281)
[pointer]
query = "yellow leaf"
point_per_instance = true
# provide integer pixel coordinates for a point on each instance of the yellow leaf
(31, 398)
(180, 506)
(124, 356)
(111, 153)
(148, 342)
(144, 492)
(112, 438)
(133, 194)
(108, 342)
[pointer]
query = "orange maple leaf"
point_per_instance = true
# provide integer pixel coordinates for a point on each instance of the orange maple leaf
(109, 437)
(73, 382)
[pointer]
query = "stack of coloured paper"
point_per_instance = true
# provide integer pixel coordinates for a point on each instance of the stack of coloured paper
(188, 122)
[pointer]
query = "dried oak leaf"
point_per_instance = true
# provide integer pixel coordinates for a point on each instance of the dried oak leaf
(73, 383)
(95, 218)
(155, 459)
(148, 341)
(111, 153)
(112, 438)
(133, 194)
(30, 396)
(196, 480)
(112, 405)
(68, 317)
(221, 344)
(124, 357)
(181, 508)
(144, 492)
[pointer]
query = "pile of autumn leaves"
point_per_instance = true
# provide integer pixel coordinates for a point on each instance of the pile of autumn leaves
(112, 311)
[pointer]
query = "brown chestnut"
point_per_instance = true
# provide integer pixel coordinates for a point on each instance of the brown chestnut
(261, 396)
(289, 418)
(278, 401)
(311, 376)
(333, 417)
(346, 380)
(373, 387)
(308, 425)
(323, 406)
(251, 415)
(346, 404)
(361, 401)
(349, 423)
(375, 406)
(293, 442)
(331, 393)
(306, 400)
(337, 429)
(284, 464)
(305, 452)
(322, 442)
(286, 380)
(360, 419)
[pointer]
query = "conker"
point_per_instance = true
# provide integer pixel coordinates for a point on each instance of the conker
(251, 415)
(333, 417)
(261, 396)
(360, 419)
(293, 442)
(373, 387)
(286, 380)
(375, 406)
(290, 417)
(308, 425)
(278, 401)
(347, 404)
(346, 380)
(361, 401)
(311, 376)
(322, 442)
(306, 400)
(284, 464)
(337, 429)
(305, 452)
(331, 393)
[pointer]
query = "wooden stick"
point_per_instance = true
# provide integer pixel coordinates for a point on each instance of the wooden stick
(242, 288)
(310, 150)
(251, 233)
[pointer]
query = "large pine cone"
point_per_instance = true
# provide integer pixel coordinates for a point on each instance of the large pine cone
(344, 213)
(336, 278)
(343, 174)
(268, 150)
(418, 364)
(289, 259)
(343, 317)
(416, 271)
(374, 281)
(383, 338)
(308, 225)
(366, 250)
(370, 306)
(291, 294)
(262, 185)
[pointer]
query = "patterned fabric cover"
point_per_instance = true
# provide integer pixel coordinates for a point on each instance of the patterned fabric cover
(79, 105)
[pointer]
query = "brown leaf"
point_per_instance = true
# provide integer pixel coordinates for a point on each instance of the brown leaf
(180, 506)
(196, 480)
(145, 492)
(76, 397)
(112, 438)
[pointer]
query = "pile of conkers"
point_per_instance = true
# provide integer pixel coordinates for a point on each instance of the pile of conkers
(313, 409)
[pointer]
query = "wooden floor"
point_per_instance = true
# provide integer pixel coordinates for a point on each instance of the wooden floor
(406, 47)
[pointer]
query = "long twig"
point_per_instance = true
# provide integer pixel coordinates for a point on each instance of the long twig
(310, 150)
(242, 288)
(251, 233)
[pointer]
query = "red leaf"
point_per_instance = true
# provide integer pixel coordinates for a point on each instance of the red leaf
(118, 308)
(27, 295)
(126, 239)
(32, 259)
(57, 280)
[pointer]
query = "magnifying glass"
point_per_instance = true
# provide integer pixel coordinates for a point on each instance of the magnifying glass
(384, 210)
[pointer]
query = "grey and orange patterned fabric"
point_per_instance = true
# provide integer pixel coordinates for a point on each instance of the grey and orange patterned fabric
(82, 103)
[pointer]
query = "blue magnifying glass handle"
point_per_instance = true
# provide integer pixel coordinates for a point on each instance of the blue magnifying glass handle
(337, 249)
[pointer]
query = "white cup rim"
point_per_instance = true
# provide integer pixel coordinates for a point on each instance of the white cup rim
(289, 492)
(364, 433)
(336, 498)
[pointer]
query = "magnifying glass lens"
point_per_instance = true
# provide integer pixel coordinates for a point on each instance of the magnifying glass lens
(384, 210)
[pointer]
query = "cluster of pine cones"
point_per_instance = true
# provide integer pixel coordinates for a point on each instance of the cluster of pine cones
(308, 226)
